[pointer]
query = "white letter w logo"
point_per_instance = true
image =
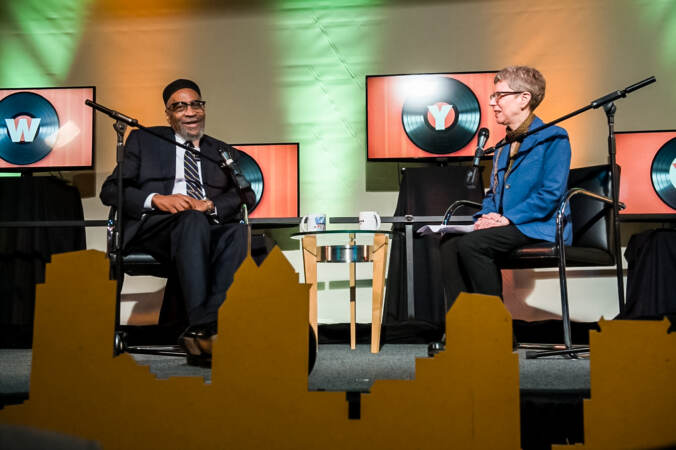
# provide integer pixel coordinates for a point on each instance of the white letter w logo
(20, 129)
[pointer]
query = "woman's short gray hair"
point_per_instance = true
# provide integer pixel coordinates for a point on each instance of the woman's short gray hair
(523, 78)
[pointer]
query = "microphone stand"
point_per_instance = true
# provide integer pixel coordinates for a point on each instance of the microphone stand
(120, 127)
(610, 108)
(134, 123)
(599, 102)
(226, 161)
(225, 165)
(607, 102)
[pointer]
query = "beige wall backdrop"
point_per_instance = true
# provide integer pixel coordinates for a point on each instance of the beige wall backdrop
(293, 71)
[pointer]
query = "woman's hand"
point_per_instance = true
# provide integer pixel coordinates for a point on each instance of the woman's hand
(490, 220)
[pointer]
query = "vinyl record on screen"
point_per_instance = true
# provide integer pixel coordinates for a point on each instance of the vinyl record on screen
(437, 99)
(23, 143)
(252, 172)
(663, 173)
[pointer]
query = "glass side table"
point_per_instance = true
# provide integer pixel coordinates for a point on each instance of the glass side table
(351, 253)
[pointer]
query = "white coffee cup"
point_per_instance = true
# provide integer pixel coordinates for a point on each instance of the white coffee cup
(369, 220)
(313, 222)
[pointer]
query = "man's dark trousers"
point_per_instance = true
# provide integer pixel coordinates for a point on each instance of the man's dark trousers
(204, 255)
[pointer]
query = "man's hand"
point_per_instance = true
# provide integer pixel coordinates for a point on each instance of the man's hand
(176, 203)
(205, 206)
(490, 220)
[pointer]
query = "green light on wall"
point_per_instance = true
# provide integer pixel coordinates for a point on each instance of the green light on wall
(38, 40)
(326, 49)
(661, 17)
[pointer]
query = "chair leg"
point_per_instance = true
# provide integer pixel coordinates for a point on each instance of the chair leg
(119, 343)
(565, 314)
(119, 340)
(570, 352)
(119, 279)
(619, 273)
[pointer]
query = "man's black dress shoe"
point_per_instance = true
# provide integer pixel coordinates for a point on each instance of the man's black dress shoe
(198, 360)
(435, 347)
(197, 341)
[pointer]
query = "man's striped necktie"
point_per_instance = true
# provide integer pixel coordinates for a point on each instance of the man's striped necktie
(192, 177)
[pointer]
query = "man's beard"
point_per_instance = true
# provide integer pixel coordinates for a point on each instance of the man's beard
(183, 131)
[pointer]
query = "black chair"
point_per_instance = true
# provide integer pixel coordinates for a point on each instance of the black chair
(591, 206)
(134, 264)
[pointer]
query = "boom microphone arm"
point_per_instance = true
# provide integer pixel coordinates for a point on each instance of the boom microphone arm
(135, 123)
(609, 107)
(599, 102)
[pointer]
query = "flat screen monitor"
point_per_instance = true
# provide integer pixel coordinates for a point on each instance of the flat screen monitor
(272, 170)
(45, 129)
(647, 161)
(428, 116)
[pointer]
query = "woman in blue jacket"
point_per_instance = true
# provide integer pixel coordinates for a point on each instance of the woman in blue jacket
(528, 182)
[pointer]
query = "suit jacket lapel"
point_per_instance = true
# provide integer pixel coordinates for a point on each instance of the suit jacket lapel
(167, 158)
(208, 150)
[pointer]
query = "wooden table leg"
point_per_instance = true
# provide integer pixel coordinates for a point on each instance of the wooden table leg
(379, 254)
(310, 266)
(353, 299)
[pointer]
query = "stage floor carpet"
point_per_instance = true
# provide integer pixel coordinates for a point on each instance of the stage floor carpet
(337, 369)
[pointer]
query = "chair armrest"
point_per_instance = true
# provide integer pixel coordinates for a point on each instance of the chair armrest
(450, 211)
(579, 191)
(570, 194)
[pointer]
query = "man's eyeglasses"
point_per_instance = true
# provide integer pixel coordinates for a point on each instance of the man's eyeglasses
(197, 105)
(497, 95)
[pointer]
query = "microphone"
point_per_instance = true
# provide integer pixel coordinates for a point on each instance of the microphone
(112, 113)
(470, 180)
(228, 162)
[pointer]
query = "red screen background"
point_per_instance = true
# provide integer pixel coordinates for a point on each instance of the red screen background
(385, 97)
(279, 165)
(635, 152)
(76, 121)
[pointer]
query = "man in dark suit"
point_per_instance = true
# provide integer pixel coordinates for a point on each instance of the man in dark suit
(183, 209)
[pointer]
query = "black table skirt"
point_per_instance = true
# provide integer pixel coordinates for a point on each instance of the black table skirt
(651, 284)
(425, 191)
(24, 251)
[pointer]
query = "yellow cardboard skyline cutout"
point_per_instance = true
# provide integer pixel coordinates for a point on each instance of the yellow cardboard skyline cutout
(466, 397)
(633, 387)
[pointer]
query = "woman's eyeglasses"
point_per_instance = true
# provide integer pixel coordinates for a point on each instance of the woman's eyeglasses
(497, 95)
